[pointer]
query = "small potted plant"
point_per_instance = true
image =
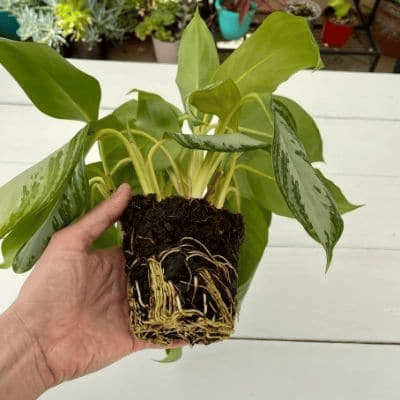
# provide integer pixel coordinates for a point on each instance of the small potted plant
(235, 16)
(72, 23)
(204, 189)
(164, 21)
(308, 9)
(340, 20)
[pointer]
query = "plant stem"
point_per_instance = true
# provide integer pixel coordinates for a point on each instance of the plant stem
(134, 155)
(160, 146)
(205, 173)
(227, 181)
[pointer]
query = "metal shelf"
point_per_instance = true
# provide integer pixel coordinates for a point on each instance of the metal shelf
(362, 43)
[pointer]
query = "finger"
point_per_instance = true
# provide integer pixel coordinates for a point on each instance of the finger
(90, 227)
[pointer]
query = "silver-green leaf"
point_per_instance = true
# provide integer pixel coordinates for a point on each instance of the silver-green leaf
(39, 186)
(229, 142)
(73, 203)
(310, 201)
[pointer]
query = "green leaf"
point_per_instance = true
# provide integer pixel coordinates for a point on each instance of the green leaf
(229, 142)
(155, 115)
(255, 179)
(198, 58)
(257, 221)
(256, 118)
(218, 99)
(343, 204)
(172, 355)
(281, 46)
(306, 195)
(73, 202)
(39, 186)
(307, 129)
(20, 234)
(55, 86)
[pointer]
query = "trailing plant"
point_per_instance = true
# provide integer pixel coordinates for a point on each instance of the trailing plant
(235, 145)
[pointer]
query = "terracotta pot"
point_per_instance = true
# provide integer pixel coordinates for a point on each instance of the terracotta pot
(387, 28)
(166, 52)
(334, 33)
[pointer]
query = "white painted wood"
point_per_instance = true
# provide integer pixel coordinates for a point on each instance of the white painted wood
(247, 370)
(351, 147)
(375, 225)
(322, 93)
(292, 297)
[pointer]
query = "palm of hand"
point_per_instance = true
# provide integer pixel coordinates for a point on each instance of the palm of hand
(74, 303)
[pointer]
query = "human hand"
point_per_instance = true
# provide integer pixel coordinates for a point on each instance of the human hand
(74, 302)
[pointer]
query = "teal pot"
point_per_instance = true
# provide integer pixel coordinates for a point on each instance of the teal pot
(229, 25)
(8, 25)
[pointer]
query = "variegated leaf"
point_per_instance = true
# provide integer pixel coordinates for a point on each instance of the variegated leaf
(73, 203)
(229, 142)
(39, 186)
(310, 201)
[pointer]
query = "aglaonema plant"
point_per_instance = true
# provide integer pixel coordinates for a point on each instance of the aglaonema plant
(203, 176)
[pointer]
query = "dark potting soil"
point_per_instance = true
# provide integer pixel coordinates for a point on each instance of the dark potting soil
(185, 236)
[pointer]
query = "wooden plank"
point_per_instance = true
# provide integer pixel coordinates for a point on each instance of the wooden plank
(375, 225)
(344, 95)
(351, 147)
(322, 93)
(292, 297)
(247, 370)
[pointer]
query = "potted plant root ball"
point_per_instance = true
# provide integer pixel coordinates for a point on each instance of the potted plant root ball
(182, 265)
(207, 177)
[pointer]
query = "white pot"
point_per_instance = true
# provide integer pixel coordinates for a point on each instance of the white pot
(166, 52)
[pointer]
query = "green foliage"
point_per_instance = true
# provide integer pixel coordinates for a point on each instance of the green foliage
(55, 23)
(341, 8)
(251, 148)
(165, 19)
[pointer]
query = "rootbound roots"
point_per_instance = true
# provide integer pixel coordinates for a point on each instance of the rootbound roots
(181, 262)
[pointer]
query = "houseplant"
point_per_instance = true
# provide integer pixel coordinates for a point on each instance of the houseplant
(387, 27)
(57, 23)
(308, 9)
(339, 23)
(249, 151)
(164, 21)
(235, 16)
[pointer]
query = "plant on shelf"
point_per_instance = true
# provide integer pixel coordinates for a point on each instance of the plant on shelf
(340, 20)
(308, 9)
(235, 154)
(56, 23)
(164, 19)
(235, 16)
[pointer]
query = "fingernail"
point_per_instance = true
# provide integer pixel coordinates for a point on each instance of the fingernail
(123, 187)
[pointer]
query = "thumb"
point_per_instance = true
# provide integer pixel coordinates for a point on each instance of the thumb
(92, 225)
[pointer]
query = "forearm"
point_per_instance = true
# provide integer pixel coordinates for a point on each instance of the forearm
(23, 371)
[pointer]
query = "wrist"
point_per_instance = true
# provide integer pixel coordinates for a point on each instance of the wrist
(23, 370)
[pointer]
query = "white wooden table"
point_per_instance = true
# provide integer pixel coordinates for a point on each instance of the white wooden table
(301, 334)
